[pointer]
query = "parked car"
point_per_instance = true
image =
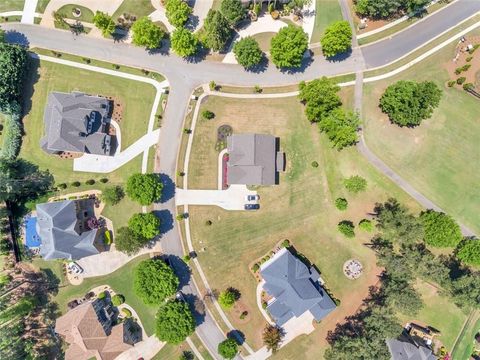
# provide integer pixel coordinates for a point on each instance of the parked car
(252, 206)
(252, 197)
(75, 268)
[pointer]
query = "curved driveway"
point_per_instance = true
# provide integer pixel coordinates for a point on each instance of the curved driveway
(185, 76)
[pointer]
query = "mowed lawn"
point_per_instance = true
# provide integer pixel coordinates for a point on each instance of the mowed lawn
(11, 5)
(327, 11)
(299, 209)
(138, 8)
(439, 157)
(466, 341)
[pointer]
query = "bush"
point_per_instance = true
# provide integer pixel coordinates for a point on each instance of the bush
(468, 86)
(104, 22)
(180, 217)
(468, 251)
(14, 65)
(103, 180)
(12, 137)
(154, 281)
(227, 298)
(366, 225)
(451, 83)
(255, 267)
(341, 204)
(174, 322)
(440, 229)
(461, 80)
(128, 241)
(458, 71)
(102, 295)
(275, 14)
(118, 300)
(355, 184)
(314, 164)
(286, 243)
(243, 315)
(212, 85)
(346, 227)
(144, 188)
(127, 313)
(208, 115)
(90, 182)
(62, 186)
(112, 195)
(208, 222)
(186, 258)
(228, 348)
(76, 184)
(470, 58)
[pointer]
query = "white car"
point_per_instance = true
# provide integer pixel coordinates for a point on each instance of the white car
(75, 268)
(252, 197)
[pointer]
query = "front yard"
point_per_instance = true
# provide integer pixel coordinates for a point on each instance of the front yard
(300, 209)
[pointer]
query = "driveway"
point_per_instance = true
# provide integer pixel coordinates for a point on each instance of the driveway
(231, 199)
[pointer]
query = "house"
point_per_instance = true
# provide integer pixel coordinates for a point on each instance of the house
(67, 229)
(254, 159)
(75, 122)
(294, 288)
(90, 332)
(414, 344)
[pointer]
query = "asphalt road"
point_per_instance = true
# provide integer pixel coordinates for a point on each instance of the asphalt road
(185, 76)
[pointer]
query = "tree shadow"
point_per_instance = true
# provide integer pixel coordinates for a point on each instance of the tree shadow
(197, 311)
(192, 22)
(15, 37)
(166, 220)
(340, 57)
(29, 84)
(237, 335)
(168, 191)
(261, 67)
(52, 281)
(306, 62)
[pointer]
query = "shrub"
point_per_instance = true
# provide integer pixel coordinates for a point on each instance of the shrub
(257, 89)
(103, 180)
(186, 258)
(14, 65)
(102, 295)
(355, 184)
(112, 195)
(468, 86)
(212, 85)
(208, 115)
(314, 164)
(118, 300)
(154, 281)
(243, 315)
(341, 204)
(264, 305)
(440, 229)
(458, 71)
(127, 313)
(228, 348)
(275, 14)
(346, 227)
(255, 267)
(128, 241)
(180, 217)
(468, 251)
(286, 243)
(208, 222)
(90, 182)
(366, 225)
(107, 237)
(451, 83)
(104, 22)
(466, 67)
(144, 188)
(12, 137)
(76, 184)
(62, 186)
(470, 58)
(461, 80)
(227, 298)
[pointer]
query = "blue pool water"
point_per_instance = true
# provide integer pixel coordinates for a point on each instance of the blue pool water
(32, 239)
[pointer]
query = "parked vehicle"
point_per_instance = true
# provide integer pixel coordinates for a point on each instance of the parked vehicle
(252, 197)
(75, 268)
(252, 206)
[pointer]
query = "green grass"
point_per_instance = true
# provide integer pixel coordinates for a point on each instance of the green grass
(264, 39)
(16, 18)
(121, 281)
(138, 8)
(11, 5)
(42, 5)
(55, 267)
(300, 209)
(436, 157)
(327, 11)
(465, 344)
(170, 351)
(86, 16)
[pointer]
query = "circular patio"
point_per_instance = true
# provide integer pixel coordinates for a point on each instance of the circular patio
(353, 269)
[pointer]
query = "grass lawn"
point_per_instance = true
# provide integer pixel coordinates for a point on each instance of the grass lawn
(170, 351)
(436, 157)
(87, 14)
(466, 341)
(327, 11)
(300, 209)
(41, 6)
(122, 282)
(264, 39)
(11, 5)
(138, 8)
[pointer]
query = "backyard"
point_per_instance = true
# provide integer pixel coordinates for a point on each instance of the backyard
(437, 156)
(304, 197)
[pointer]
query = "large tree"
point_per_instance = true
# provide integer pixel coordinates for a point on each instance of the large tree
(104, 22)
(381, 9)
(337, 39)
(13, 70)
(288, 47)
(129, 241)
(440, 229)
(146, 33)
(468, 251)
(216, 31)
(228, 348)
(145, 224)
(248, 52)
(154, 281)
(272, 337)
(233, 11)
(407, 103)
(320, 97)
(341, 127)
(175, 322)
(177, 12)
(184, 42)
(144, 188)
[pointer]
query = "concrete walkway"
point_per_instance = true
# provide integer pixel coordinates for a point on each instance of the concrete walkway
(309, 19)
(29, 8)
(160, 15)
(146, 349)
(231, 199)
(200, 11)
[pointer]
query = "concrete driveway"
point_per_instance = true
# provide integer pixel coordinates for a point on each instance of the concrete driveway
(231, 199)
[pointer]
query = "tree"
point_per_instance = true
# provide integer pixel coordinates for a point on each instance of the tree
(128, 241)
(227, 298)
(247, 52)
(104, 22)
(2, 35)
(355, 184)
(341, 127)
(346, 227)
(407, 103)
(440, 229)
(233, 11)
(208, 115)
(272, 336)
(184, 42)
(217, 31)
(382, 9)
(146, 33)
(154, 281)
(14, 65)
(341, 204)
(288, 47)
(337, 39)
(468, 251)
(320, 97)
(118, 299)
(177, 12)
(144, 188)
(146, 225)
(175, 322)
(400, 294)
(112, 195)
(228, 348)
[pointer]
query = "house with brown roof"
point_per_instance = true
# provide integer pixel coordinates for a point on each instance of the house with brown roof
(90, 332)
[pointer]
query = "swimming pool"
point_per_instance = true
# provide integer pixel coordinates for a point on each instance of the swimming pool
(32, 240)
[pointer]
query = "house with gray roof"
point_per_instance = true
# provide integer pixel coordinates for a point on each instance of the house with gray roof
(405, 349)
(294, 289)
(76, 122)
(254, 159)
(65, 230)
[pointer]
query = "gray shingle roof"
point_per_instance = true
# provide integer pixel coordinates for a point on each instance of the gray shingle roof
(73, 122)
(60, 233)
(252, 159)
(405, 350)
(294, 287)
